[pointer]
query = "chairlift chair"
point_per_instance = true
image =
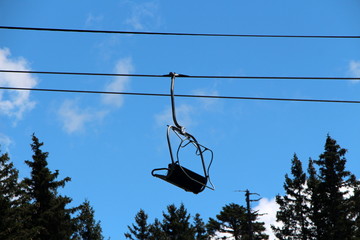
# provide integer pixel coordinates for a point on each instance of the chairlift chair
(176, 174)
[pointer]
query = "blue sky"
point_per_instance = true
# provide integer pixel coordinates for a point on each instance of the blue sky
(108, 145)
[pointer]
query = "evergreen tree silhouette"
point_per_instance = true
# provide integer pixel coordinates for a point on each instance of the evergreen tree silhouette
(11, 217)
(233, 220)
(86, 226)
(293, 206)
(176, 223)
(49, 217)
(140, 231)
(333, 220)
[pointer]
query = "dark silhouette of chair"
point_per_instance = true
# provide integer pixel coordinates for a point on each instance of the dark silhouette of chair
(177, 174)
(182, 177)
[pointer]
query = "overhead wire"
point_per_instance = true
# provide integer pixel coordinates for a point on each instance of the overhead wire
(184, 95)
(179, 33)
(181, 75)
(185, 76)
(83, 73)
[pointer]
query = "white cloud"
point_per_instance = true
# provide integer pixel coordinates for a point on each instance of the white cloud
(5, 142)
(221, 236)
(75, 118)
(354, 68)
(93, 20)
(269, 207)
(208, 104)
(15, 103)
(106, 47)
(119, 84)
(183, 116)
(144, 15)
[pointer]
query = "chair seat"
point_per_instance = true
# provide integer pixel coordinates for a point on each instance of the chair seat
(184, 178)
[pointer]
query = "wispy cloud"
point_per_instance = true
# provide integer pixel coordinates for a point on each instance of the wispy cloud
(106, 47)
(77, 118)
(183, 115)
(268, 207)
(119, 84)
(143, 15)
(354, 68)
(5, 142)
(74, 118)
(93, 20)
(208, 104)
(15, 103)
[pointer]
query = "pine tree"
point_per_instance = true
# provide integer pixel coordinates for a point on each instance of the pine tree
(49, 217)
(176, 225)
(200, 229)
(213, 227)
(294, 209)
(314, 201)
(86, 226)
(10, 194)
(233, 220)
(259, 229)
(333, 221)
(356, 212)
(156, 231)
(140, 231)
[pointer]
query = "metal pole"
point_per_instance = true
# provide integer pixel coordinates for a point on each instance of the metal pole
(250, 228)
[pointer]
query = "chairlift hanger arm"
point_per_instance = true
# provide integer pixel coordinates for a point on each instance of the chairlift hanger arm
(173, 76)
